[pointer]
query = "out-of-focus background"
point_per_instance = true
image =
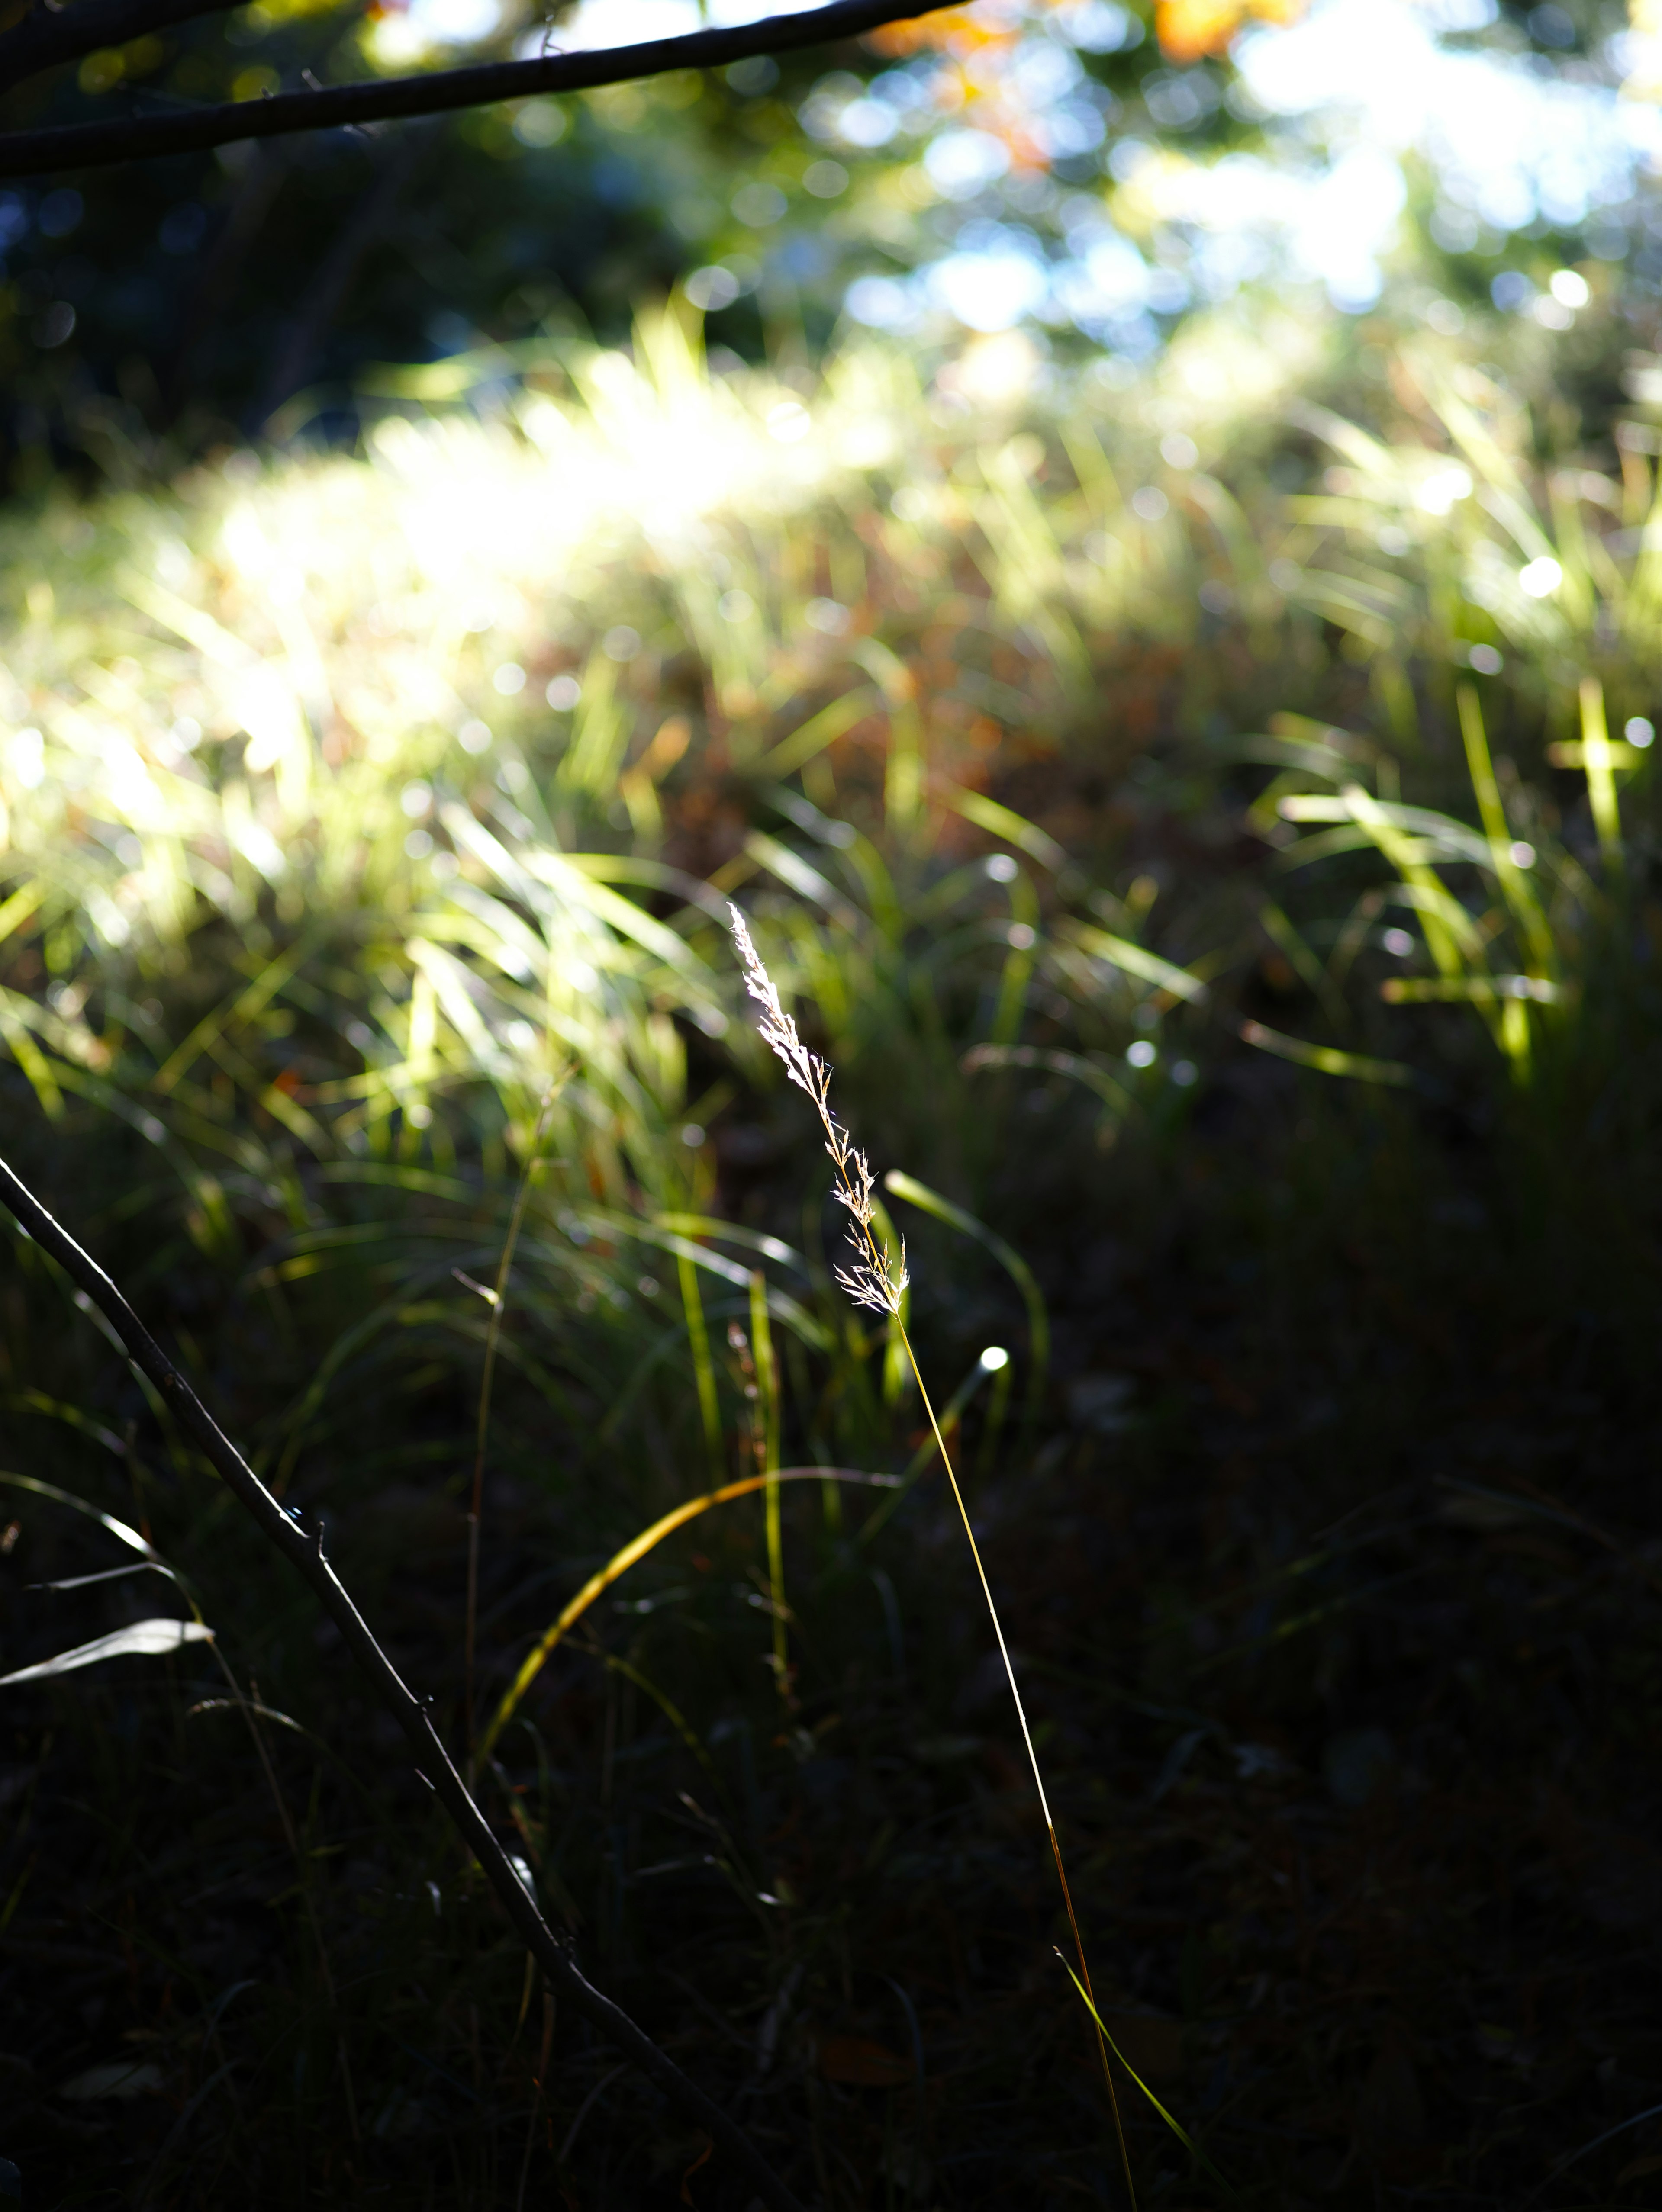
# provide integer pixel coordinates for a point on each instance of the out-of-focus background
(1128, 541)
(1093, 175)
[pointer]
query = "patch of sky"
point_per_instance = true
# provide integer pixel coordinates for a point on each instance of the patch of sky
(1505, 141)
(598, 23)
(996, 277)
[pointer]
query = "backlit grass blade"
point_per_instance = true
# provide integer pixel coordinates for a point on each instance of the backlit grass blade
(703, 1367)
(139, 1640)
(1324, 1057)
(1019, 961)
(1597, 766)
(670, 1712)
(1175, 2126)
(1515, 885)
(1469, 990)
(994, 1361)
(875, 1280)
(36, 1068)
(999, 821)
(1410, 862)
(635, 1550)
(766, 1440)
(1137, 960)
(1026, 1283)
(498, 1299)
(736, 1232)
(819, 730)
(1114, 1096)
(240, 1009)
(119, 1529)
(1288, 941)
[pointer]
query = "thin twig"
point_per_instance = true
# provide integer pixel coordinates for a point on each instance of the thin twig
(305, 1553)
(95, 145)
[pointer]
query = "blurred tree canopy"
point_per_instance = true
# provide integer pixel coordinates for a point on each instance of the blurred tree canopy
(1023, 151)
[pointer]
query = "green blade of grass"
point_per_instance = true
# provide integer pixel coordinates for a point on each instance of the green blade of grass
(1175, 2126)
(1026, 1283)
(636, 1549)
(1324, 1057)
(769, 1411)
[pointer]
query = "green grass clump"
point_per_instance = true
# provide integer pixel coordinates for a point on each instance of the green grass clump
(1229, 909)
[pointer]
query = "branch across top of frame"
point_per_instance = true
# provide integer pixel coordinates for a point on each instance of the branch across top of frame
(148, 137)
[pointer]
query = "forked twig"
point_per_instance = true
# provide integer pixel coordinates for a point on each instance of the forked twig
(305, 1553)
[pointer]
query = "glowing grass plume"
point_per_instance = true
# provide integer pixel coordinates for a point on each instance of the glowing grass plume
(873, 1279)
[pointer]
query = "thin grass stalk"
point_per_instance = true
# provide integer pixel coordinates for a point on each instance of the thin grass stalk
(703, 1367)
(1597, 766)
(767, 1447)
(1033, 1758)
(492, 1336)
(536, 2082)
(636, 1549)
(878, 1282)
(250, 1713)
(304, 1553)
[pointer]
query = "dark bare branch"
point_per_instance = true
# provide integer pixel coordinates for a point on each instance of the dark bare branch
(95, 145)
(305, 1553)
(46, 36)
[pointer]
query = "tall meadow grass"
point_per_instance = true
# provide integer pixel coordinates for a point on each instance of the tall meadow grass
(368, 828)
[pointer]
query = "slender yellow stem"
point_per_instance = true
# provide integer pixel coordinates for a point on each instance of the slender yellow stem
(878, 1282)
(620, 1562)
(1033, 1759)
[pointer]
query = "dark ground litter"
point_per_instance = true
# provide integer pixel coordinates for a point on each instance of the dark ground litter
(1335, 1584)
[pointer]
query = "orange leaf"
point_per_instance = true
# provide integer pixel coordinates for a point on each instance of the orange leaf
(1190, 30)
(865, 2065)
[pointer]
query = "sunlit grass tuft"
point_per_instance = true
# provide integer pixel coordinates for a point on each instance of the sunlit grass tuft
(370, 822)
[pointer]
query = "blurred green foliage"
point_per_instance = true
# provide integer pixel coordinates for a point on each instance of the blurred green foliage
(149, 312)
(1206, 807)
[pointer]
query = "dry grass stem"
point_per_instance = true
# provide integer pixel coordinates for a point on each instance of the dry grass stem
(874, 1281)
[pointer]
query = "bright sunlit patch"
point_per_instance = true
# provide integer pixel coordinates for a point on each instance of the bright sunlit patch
(789, 421)
(882, 303)
(455, 22)
(595, 24)
(26, 757)
(1373, 81)
(992, 290)
(1539, 578)
(965, 163)
(995, 1357)
(1439, 491)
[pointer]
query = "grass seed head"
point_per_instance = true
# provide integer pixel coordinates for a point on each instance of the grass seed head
(873, 1279)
